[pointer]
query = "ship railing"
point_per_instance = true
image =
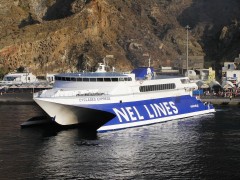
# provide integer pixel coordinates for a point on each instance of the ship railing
(61, 93)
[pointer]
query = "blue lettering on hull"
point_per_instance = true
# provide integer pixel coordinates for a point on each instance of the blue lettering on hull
(151, 109)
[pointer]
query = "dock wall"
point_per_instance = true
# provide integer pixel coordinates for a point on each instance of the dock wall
(215, 100)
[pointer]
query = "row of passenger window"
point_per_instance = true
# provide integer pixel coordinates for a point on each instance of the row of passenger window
(92, 79)
(157, 87)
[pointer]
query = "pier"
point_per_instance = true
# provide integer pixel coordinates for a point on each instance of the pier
(216, 100)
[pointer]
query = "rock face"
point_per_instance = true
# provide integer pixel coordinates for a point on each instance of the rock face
(71, 35)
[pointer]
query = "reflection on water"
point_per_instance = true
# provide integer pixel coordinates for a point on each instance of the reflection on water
(205, 147)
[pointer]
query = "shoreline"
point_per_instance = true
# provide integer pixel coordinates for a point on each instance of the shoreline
(16, 98)
(27, 98)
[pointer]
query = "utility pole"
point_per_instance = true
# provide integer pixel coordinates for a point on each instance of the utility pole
(187, 27)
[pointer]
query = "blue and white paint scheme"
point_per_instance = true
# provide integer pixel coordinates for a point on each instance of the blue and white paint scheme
(110, 100)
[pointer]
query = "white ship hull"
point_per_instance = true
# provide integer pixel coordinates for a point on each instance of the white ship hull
(110, 101)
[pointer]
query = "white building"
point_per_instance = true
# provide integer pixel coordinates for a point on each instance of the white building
(50, 78)
(230, 73)
(18, 78)
(206, 75)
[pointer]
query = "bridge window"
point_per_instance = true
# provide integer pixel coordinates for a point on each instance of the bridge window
(93, 79)
(184, 81)
(79, 79)
(107, 79)
(73, 79)
(114, 79)
(86, 79)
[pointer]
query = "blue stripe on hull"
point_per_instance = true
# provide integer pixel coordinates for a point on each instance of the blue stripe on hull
(128, 113)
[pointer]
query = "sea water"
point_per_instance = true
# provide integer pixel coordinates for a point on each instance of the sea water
(203, 147)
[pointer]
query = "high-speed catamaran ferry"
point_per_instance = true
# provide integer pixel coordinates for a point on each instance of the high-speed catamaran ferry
(110, 100)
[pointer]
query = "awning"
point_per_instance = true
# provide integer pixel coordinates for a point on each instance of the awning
(238, 84)
(229, 83)
(204, 86)
(214, 84)
(227, 86)
(199, 83)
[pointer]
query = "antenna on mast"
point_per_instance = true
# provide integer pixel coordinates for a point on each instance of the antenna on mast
(149, 58)
(104, 61)
(149, 61)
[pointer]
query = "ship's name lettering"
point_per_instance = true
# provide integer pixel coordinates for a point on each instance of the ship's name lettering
(94, 99)
(150, 111)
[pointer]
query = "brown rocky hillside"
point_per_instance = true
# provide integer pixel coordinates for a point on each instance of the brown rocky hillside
(72, 35)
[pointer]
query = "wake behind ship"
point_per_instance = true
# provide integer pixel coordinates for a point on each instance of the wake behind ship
(110, 100)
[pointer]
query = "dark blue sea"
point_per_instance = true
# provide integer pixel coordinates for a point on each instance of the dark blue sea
(203, 147)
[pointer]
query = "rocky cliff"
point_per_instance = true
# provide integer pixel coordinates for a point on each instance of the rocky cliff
(72, 35)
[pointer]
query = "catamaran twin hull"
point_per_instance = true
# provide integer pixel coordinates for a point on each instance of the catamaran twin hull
(113, 116)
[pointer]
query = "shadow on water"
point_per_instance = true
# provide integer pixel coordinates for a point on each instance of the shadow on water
(48, 128)
(51, 129)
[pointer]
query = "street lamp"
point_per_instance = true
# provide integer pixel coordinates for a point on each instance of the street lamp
(187, 27)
